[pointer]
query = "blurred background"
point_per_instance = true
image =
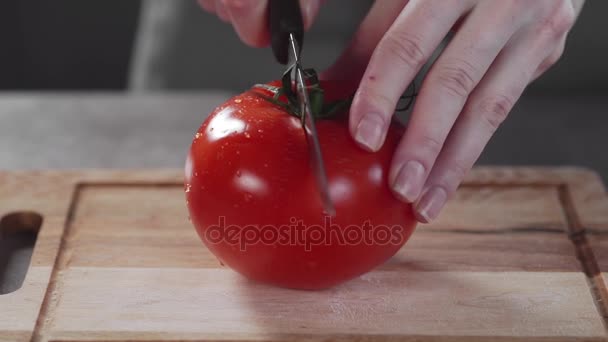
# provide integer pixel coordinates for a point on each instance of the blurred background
(173, 45)
(126, 83)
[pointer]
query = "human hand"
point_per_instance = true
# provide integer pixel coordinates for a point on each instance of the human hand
(249, 17)
(498, 47)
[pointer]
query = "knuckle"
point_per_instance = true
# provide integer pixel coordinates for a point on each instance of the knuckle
(451, 175)
(236, 4)
(544, 66)
(430, 144)
(455, 172)
(375, 99)
(206, 5)
(559, 51)
(404, 47)
(494, 110)
(560, 20)
(551, 60)
(457, 79)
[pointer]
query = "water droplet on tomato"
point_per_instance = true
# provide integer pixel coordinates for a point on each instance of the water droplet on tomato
(238, 173)
(197, 135)
(325, 213)
(188, 186)
(265, 165)
(260, 131)
(248, 197)
(247, 135)
(237, 101)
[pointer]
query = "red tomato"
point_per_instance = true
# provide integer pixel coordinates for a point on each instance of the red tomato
(253, 199)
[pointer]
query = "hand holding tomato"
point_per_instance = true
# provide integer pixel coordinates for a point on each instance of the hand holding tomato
(498, 47)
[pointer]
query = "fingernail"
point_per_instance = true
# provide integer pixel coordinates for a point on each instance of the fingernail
(308, 11)
(369, 132)
(431, 203)
(408, 183)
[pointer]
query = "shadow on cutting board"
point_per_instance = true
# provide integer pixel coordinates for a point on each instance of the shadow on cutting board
(18, 233)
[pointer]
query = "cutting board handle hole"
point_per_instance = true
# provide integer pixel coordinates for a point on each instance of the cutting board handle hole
(18, 233)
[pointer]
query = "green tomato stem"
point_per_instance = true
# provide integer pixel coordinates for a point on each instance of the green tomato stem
(316, 94)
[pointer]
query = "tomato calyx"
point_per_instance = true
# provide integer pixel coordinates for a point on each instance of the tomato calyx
(316, 95)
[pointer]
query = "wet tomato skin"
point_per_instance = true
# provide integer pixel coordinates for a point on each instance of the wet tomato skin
(248, 167)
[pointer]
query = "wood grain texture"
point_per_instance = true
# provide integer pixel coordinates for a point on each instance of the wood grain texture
(209, 303)
(117, 259)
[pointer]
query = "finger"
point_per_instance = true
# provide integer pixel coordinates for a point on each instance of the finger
(445, 91)
(551, 60)
(554, 29)
(207, 5)
(352, 62)
(400, 54)
(486, 109)
(310, 9)
(221, 11)
(489, 105)
(249, 19)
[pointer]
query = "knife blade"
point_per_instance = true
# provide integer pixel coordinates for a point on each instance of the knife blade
(312, 138)
(287, 34)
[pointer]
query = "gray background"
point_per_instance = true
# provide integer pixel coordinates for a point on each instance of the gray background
(203, 52)
(96, 45)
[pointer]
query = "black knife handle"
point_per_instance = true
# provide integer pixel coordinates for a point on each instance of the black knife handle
(284, 17)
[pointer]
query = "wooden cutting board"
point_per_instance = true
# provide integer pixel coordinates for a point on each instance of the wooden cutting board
(516, 255)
